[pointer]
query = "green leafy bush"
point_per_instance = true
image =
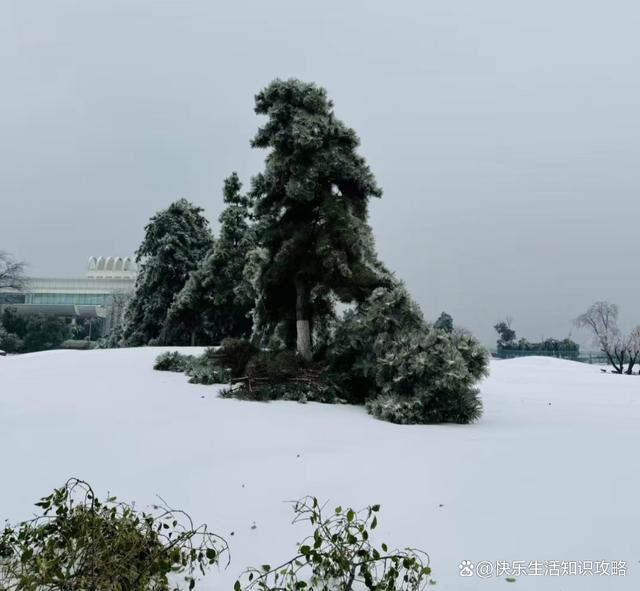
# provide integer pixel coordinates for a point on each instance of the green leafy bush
(339, 555)
(79, 542)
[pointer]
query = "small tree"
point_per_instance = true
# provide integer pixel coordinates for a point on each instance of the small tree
(217, 300)
(444, 322)
(507, 336)
(633, 349)
(602, 320)
(11, 272)
(176, 240)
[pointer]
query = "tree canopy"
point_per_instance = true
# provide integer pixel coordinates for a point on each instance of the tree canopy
(311, 209)
(176, 239)
(217, 299)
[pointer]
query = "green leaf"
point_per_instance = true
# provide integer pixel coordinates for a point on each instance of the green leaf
(350, 515)
(237, 586)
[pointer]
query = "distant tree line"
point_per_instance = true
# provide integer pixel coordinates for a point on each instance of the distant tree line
(29, 333)
(509, 345)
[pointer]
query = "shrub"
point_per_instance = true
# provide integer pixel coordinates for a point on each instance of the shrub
(206, 369)
(77, 345)
(275, 366)
(80, 542)
(339, 555)
(387, 356)
(10, 342)
(288, 390)
(234, 354)
(173, 361)
(283, 375)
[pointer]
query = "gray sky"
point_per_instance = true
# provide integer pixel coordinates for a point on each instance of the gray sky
(505, 134)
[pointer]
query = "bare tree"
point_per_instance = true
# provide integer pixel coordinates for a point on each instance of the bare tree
(602, 319)
(11, 272)
(633, 349)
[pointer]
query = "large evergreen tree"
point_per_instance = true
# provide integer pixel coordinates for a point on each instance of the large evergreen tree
(217, 300)
(311, 208)
(176, 239)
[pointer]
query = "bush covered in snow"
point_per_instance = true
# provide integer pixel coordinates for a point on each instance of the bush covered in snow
(202, 369)
(173, 361)
(406, 370)
(206, 369)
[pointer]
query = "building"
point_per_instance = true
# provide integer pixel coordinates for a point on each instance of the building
(101, 295)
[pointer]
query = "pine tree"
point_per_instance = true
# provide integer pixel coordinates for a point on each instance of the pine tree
(176, 239)
(217, 300)
(444, 322)
(311, 208)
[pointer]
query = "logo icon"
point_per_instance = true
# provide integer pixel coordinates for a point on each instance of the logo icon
(466, 568)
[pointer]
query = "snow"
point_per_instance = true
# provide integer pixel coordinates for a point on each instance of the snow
(549, 473)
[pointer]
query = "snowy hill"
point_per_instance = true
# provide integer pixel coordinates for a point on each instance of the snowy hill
(549, 473)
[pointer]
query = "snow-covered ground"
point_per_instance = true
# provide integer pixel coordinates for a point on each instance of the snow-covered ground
(550, 473)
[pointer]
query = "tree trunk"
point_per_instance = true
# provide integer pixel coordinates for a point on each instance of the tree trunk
(193, 337)
(303, 324)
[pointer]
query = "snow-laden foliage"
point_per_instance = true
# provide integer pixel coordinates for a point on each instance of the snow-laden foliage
(288, 253)
(218, 298)
(176, 240)
(173, 361)
(311, 211)
(406, 370)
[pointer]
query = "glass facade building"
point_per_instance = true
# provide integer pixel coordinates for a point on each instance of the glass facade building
(102, 293)
(79, 299)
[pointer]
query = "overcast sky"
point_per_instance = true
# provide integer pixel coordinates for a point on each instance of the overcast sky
(504, 133)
